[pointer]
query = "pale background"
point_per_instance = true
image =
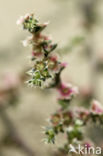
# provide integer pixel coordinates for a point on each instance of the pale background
(65, 22)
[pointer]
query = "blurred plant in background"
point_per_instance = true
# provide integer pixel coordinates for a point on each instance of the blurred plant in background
(9, 97)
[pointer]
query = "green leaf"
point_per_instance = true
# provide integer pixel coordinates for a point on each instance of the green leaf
(64, 103)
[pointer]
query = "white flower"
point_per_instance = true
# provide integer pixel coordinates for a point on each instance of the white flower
(20, 20)
(27, 41)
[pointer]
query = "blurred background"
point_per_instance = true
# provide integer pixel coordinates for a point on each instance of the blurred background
(77, 27)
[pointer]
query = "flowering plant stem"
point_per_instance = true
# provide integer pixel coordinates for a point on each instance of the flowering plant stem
(46, 73)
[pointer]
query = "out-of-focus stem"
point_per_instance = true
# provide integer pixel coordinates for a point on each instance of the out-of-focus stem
(13, 132)
(89, 20)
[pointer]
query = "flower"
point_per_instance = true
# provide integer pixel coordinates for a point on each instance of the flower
(45, 66)
(66, 91)
(37, 55)
(48, 38)
(27, 41)
(55, 119)
(64, 64)
(27, 15)
(20, 20)
(82, 114)
(67, 117)
(53, 64)
(87, 145)
(96, 107)
(41, 38)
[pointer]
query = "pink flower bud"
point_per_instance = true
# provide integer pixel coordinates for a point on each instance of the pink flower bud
(47, 38)
(27, 16)
(87, 145)
(96, 107)
(36, 54)
(64, 64)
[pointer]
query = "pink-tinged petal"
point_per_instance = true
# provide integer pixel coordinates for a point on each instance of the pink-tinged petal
(64, 64)
(96, 107)
(53, 58)
(66, 90)
(87, 145)
(37, 54)
(53, 64)
(47, 38)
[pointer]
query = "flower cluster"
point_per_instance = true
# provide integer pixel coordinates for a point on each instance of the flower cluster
(45, 64)
(71, 123)
(46, 72)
